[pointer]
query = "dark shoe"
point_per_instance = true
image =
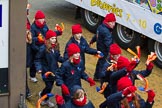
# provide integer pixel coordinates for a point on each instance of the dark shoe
(28, 95)
(96, 79)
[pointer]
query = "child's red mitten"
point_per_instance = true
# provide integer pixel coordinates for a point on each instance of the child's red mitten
(91, 81)
(59, 99)
(151, 95)
(65, 89)
(150, 66)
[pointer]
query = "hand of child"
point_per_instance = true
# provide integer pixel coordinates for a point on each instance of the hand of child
(132, 65)
(59, 100)
(151, 95)
(40, 38)
(59, 28)
(65, 89)
(150, 66)
(28, 37)
(91, 81)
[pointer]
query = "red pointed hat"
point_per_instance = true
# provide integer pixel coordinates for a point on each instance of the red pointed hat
(49, 34)
(72, 49)
(115, 49)
(39, 15)
(76, 29)
(110, 18)
(123, 83)
(122, 62)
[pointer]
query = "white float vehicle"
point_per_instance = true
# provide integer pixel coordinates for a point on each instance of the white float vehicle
(138, 21)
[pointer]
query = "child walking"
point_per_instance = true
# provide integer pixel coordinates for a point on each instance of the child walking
(49, 61)
(78, 39)
(72, 71)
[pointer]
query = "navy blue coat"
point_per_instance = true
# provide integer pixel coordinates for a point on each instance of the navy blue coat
(133, 76)
(104, 74)
(113, 101)
(70, 74)
(49, 60)
(84, 47)
(70, 104)
(35, 32)
(113, 77)
(103, 38)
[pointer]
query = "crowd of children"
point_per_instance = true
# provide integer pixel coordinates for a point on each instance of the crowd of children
(43, 56)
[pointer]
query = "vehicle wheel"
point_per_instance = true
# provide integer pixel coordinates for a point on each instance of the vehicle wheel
(90, 20)
(126, 38)
(154, 46)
